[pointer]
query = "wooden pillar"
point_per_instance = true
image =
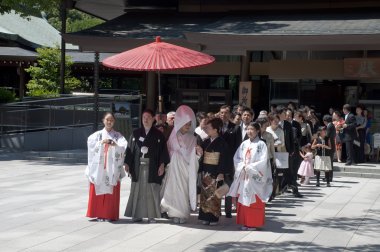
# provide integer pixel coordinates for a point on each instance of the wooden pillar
(245, 85)
(244, 69)
(96, 91)
(151, 87)
(63, 46)
(21, 73)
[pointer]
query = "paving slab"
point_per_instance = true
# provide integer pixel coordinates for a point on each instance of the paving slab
(43, 206)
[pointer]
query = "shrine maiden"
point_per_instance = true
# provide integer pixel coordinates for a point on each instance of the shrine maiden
(104, 171)
(252, 181)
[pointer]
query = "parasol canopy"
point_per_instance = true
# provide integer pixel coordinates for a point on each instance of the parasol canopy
(158, 56)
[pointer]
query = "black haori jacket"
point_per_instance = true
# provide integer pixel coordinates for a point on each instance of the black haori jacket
(157, 153)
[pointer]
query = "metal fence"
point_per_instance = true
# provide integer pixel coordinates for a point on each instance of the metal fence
(67, 113)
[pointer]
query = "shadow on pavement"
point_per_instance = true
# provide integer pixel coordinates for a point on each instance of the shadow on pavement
(345, 182)
(347, 224)
(284, 246)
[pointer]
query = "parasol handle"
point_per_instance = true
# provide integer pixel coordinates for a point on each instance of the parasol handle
(160, 104)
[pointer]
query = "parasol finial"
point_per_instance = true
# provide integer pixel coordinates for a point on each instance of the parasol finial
(158, 39)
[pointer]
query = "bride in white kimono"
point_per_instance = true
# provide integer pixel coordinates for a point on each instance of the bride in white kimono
(252, 181)
(179, 186)
(104, 171)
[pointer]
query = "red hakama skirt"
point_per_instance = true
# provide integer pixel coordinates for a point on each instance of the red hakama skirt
(104, 206)
(252, 216)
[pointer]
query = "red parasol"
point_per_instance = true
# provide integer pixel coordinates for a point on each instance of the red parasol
(158, 56)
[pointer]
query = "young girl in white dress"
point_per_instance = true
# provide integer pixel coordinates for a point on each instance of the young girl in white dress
(306, 169)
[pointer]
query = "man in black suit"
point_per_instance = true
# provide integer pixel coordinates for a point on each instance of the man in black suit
(349, 131)
(297, 134)
(227, 135)
(238, 135)
(330, 134)
(240, 131)
(228, 126)
(290, 148)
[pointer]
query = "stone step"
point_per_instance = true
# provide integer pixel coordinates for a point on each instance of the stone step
(357, 175)
(60, 154)
(58, 159)
(365, 170)
(358, 169)
(64, 156)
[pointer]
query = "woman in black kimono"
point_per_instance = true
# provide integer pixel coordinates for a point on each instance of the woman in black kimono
(213, 166)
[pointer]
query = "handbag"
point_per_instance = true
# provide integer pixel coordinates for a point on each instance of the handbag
(322, 163)
(221, 190)
(281, 160)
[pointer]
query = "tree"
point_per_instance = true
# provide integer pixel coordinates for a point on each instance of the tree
(29, 7)
(46, 76)
(76, 20)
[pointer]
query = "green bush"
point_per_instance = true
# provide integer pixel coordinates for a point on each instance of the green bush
(45, 77)
(6, 95)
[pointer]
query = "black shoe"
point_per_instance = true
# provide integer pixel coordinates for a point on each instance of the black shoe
(228, 215)
(285, 190)
(165, 215)
(298, 195)
(328, 185)
(318, 184)
(348, 164)
(271, 198)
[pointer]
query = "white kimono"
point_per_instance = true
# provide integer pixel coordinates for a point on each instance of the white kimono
(252, 172)
(179, 189)
(105, 167)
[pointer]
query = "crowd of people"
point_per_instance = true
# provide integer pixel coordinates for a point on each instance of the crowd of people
(190, 162)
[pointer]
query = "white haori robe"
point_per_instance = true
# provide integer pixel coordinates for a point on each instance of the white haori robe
(105, 162)
(179, 189)
(252, 173)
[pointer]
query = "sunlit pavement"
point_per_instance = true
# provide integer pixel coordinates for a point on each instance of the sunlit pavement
(43, 205)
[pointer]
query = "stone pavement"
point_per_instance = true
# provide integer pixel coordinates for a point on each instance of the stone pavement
(43, 206)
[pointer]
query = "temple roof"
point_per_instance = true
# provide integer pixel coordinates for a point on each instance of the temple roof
(32, 32)
(132, 29)
(17, 53)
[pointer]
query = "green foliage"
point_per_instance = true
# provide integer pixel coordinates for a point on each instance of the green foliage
(29, 7)
(46, 76)
(105, 83)
(76, 20)
(6, 95)
(86, 85)
(72, 84)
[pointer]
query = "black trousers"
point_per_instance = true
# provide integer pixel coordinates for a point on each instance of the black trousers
(327, 175)
(349, 151)
(277, 181)
(332, 152)
(359, 150)
(228, 199)
(290, 174)
(295, 162)
(288, 180)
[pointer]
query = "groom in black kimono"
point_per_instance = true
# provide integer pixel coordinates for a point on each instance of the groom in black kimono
(157, 153)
